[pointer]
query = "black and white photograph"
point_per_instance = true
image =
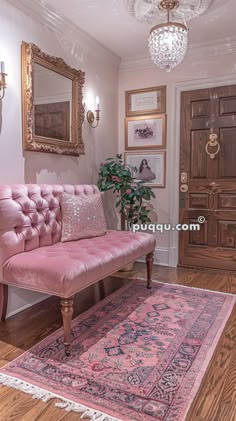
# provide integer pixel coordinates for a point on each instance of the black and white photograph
(149, 168)
(145, 132)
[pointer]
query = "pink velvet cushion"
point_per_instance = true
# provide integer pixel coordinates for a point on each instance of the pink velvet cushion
(82, 217)
(65, 268)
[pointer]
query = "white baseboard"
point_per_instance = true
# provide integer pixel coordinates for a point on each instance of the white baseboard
(18, 310)
(173, 257)
(161, 257)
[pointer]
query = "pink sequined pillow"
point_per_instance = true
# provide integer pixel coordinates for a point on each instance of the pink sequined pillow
(82, 217)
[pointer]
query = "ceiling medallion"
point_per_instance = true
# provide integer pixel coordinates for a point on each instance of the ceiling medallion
(150, 11)
(168, 39)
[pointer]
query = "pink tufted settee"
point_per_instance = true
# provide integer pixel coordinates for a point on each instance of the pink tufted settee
(33, 257)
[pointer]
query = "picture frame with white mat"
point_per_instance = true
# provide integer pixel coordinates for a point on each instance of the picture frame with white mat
(147, 166)
(146, 132)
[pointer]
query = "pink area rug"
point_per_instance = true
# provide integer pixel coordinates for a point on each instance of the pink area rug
(137, 355)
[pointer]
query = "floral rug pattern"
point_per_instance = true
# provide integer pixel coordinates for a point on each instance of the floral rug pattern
(138, 355)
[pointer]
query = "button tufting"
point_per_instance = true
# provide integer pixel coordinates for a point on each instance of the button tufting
(33, 208)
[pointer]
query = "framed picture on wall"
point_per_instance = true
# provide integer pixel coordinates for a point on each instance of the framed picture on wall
(145, 132)
(53, 120)
(145, 101)
(149, 167)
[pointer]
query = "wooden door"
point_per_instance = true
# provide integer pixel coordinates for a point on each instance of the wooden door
(210, 181)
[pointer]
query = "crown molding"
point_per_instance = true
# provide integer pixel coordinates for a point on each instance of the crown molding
(42, 13)
(48, 16)
(195, 52)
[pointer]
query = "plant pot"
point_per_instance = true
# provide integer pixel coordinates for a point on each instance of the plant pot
(127, 268)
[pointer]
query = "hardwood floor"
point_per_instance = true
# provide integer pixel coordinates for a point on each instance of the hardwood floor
(216, 400)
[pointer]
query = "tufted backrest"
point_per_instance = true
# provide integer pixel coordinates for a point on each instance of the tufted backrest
(30, 216)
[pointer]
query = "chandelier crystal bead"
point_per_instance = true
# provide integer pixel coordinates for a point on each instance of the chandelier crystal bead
(168, 44)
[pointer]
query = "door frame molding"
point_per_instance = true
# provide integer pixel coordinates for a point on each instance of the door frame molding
(174, 149)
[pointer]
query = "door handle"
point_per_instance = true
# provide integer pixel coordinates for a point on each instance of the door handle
(183, 188)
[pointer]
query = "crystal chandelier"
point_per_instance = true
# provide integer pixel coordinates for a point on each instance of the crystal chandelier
(168, 41)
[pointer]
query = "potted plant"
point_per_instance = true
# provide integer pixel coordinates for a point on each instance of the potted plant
(132, 196)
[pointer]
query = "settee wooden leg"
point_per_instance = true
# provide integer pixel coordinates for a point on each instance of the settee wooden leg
(67, 313)
(3, 301)
(149, 263)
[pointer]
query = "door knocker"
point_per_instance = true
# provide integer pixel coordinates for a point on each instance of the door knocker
(213, 141)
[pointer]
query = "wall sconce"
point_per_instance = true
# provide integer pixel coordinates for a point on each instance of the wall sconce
(91, 116)
(3, 84)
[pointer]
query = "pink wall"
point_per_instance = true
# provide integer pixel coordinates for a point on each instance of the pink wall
(190, 70)
(101, 80)
(31, 167)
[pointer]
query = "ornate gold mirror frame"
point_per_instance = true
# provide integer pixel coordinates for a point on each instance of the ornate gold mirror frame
(31, 55)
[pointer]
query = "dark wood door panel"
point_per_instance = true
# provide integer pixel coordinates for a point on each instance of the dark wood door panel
(199, 238)
(211, 177)
(198, 160)
(199, 200)
(227, 106)
(228, 215)
(213, 186)
(227, 165)
(215, 258)
(227, 234)
(227, 201)
(200, 108)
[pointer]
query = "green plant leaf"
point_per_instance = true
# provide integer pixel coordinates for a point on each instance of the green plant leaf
(130, 204)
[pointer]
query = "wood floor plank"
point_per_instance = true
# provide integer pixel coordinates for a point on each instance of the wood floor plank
(14, 404)
(206, 404)
(216, 399)
(42, 411)
(227, 405)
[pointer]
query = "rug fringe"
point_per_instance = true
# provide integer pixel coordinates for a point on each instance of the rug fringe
(43, 395)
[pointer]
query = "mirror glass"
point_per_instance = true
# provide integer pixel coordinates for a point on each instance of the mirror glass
(52, 104)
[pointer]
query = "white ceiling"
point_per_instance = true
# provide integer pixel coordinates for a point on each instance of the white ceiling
(110, 23)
